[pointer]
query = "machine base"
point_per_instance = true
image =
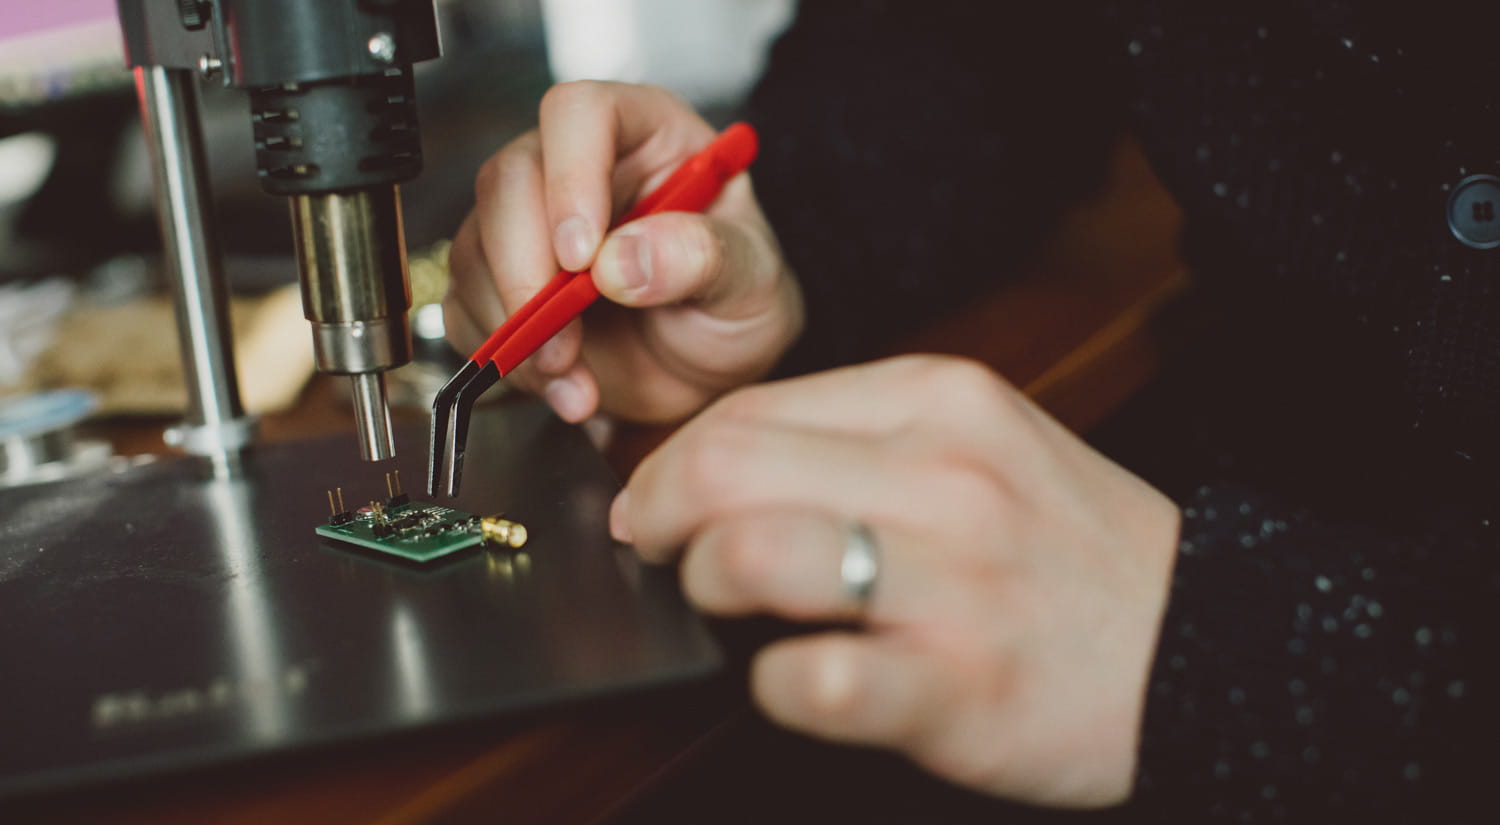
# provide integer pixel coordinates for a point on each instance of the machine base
(155, 618)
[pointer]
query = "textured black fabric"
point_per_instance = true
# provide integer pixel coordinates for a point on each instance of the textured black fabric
(892, 164)
(1329, 428)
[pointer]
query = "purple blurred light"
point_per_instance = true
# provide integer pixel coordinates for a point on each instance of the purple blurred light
(29, 17)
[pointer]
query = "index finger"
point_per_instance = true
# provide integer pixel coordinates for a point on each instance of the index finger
(603, 143)
(707, 472)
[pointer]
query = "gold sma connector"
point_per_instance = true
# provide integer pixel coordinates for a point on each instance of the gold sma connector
(499, 531)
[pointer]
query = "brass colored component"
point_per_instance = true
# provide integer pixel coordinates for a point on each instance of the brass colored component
(335, 509)
(429, 273)
(500, 531)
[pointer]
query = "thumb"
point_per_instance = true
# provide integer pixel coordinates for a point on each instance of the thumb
(726, 268)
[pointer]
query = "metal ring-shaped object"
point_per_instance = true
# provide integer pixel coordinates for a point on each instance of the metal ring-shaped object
(860, 566)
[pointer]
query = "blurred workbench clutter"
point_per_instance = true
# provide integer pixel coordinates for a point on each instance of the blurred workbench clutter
(118, 352)
(86, 307)
(106, 336)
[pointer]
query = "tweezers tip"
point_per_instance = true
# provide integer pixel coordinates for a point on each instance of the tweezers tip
(444, 411)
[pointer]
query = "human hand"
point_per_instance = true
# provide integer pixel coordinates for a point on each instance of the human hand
(717, 304)
(1023, 576)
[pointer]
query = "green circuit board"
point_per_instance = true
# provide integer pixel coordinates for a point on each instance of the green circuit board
(413, 530)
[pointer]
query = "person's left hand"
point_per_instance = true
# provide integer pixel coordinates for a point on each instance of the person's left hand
(1022, 579)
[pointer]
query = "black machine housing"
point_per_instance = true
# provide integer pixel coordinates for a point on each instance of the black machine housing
(330, 81)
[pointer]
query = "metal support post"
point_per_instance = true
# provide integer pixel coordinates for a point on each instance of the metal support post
(216, 426)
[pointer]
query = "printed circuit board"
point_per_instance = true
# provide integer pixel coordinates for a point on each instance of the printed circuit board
(415, 530)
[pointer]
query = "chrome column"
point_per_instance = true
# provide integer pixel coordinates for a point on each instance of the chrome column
(216, 425)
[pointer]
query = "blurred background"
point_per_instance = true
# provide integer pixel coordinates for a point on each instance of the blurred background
(82, 302)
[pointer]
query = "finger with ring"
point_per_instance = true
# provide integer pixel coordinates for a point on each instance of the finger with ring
(802, 565)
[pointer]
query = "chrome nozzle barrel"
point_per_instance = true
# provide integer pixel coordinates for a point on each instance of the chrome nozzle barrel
(355, 289)
(351, 253)
(372, 418)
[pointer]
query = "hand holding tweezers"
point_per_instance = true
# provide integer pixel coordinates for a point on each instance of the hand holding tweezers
(691, 188)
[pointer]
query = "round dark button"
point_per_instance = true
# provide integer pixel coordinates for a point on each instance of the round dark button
(1474, 211)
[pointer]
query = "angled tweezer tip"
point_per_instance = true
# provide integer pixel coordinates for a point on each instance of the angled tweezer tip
(460, 409)
(442, 414)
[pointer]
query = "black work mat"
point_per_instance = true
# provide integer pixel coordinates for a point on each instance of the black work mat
(154, 618)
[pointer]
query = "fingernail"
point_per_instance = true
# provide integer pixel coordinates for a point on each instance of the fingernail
(627, 266)
(566, 397)
(575, 241)
(619, 526)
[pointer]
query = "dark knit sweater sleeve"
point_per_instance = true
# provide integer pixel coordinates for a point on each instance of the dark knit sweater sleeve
(1308, 665)
(913, 154)
(1327, 648)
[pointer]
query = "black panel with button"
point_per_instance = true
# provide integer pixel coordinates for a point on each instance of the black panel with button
(1472, 211)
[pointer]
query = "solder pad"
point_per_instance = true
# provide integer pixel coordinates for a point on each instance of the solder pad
(417, 531)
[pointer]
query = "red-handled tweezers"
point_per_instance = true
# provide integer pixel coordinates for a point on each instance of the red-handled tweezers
(691, 188)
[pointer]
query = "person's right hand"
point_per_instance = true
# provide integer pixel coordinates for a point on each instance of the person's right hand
(713, 304)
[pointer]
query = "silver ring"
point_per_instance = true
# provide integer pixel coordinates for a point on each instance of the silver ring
(860, 566)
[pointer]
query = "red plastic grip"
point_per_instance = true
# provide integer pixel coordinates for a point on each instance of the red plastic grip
(693, 187)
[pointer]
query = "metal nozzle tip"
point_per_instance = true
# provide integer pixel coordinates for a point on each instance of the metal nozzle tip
(372, 417)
